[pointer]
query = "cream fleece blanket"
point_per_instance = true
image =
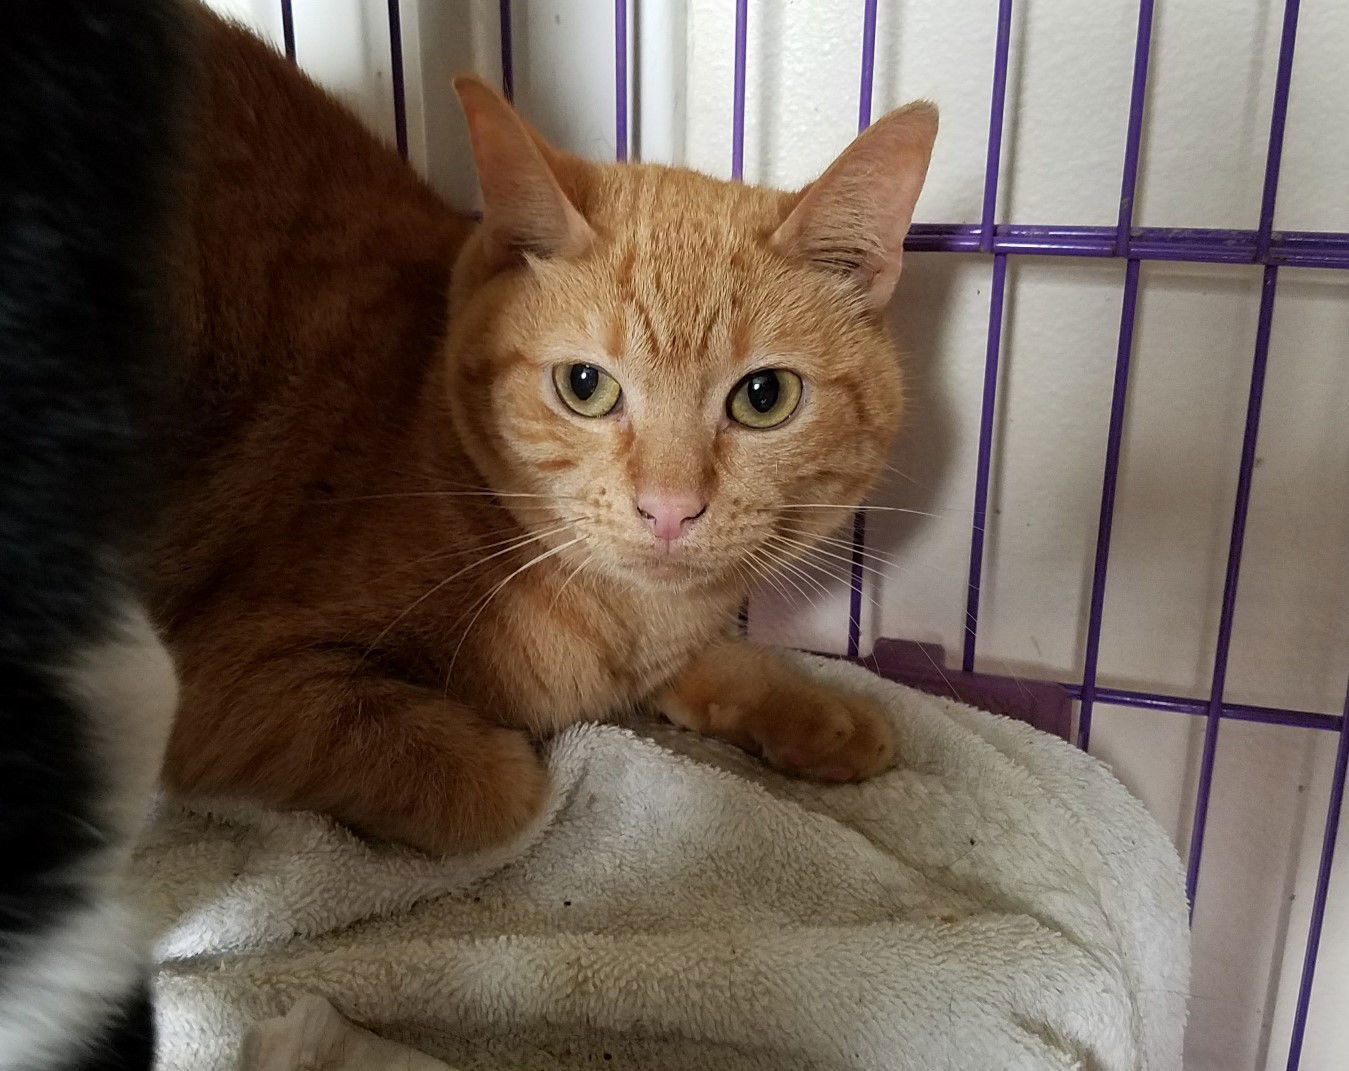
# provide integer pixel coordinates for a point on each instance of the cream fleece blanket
(996, 902)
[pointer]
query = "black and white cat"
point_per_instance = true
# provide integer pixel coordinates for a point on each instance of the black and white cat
(89, 90)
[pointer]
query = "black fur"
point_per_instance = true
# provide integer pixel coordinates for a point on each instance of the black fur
(126, 1043)
(89, 95)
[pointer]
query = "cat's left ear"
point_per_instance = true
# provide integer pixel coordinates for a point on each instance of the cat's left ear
(852, 220)
(525, 210)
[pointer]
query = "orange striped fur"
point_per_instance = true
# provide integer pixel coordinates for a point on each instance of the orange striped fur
(395, 557)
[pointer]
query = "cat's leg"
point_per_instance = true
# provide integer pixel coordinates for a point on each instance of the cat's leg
(755, 699)
(390, 759)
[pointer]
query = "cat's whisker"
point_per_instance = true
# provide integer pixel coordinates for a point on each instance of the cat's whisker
(845, 560)
(457, 551)
(755, 575)
(786, 561)
(785, 558)
(570, 577)
(887, 563)
(877, 607)
(827, 568)
(431, 494)
(941, 672)
(896, 471)
(810, 548)
(968, 624)
(484, 602)
(743, 574)
(522, 542)
(848, 545)
(422, 476)
(844, 544)
(773, 563)
(574, 518)
(842, 581)
(844, 508)
(493, 491)
(765, 575)
(793, 562)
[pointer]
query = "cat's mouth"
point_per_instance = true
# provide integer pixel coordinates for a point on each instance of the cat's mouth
(666, 566)
(665, 562)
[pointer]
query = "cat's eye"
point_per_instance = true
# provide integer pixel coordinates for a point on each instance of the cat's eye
(764, 399)
(586, 389)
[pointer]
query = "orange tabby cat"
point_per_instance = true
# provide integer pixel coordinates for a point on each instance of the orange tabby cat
(413, 534)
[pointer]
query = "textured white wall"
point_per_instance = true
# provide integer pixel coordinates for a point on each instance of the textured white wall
(1212, 77)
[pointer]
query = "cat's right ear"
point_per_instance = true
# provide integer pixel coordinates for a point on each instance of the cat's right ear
(525, 211)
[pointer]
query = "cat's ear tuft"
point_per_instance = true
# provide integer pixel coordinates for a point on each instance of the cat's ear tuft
(525, 210)
(852, 220)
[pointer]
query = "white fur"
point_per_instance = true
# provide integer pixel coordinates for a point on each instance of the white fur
(57, 990)
(69, 984)
(128, 686)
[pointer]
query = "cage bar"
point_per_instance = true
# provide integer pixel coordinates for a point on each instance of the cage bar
(868, 77)
(857, 578)
(992, 165)
(288, 29)
(1119, 398)
(1303, 249)
(988, 411)
(621, 80)
(1250, 435)
(1328, 839)
(997, 104)
(400, 108)
(738, 161)
(1283, 81)
(738, 92)
(855, 582)
(1123, 355)
(1231, 580)
(507, 51)
(1179, 704)
(1133, 139)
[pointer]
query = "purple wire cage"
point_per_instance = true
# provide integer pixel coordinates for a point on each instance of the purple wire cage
(1263, 246)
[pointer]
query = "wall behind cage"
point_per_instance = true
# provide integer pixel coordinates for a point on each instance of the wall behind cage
(1068, 89)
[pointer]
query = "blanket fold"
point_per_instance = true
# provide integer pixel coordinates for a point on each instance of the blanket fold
(997, 901)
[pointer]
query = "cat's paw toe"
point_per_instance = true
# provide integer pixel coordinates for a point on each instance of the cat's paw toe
(835, 738)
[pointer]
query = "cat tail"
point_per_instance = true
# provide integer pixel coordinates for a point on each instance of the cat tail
(91, 93)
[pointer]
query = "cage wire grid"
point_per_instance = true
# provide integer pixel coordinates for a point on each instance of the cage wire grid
(1263, 246)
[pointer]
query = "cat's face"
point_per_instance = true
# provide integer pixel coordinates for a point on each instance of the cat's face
(683, 370)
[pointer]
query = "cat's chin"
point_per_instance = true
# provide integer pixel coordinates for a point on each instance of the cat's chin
(667, 572)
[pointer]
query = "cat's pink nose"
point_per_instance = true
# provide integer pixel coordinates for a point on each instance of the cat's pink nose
(669, 513)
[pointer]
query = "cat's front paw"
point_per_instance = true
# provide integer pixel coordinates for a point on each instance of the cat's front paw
(815, 732)
(747, 696)
(757, 700)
